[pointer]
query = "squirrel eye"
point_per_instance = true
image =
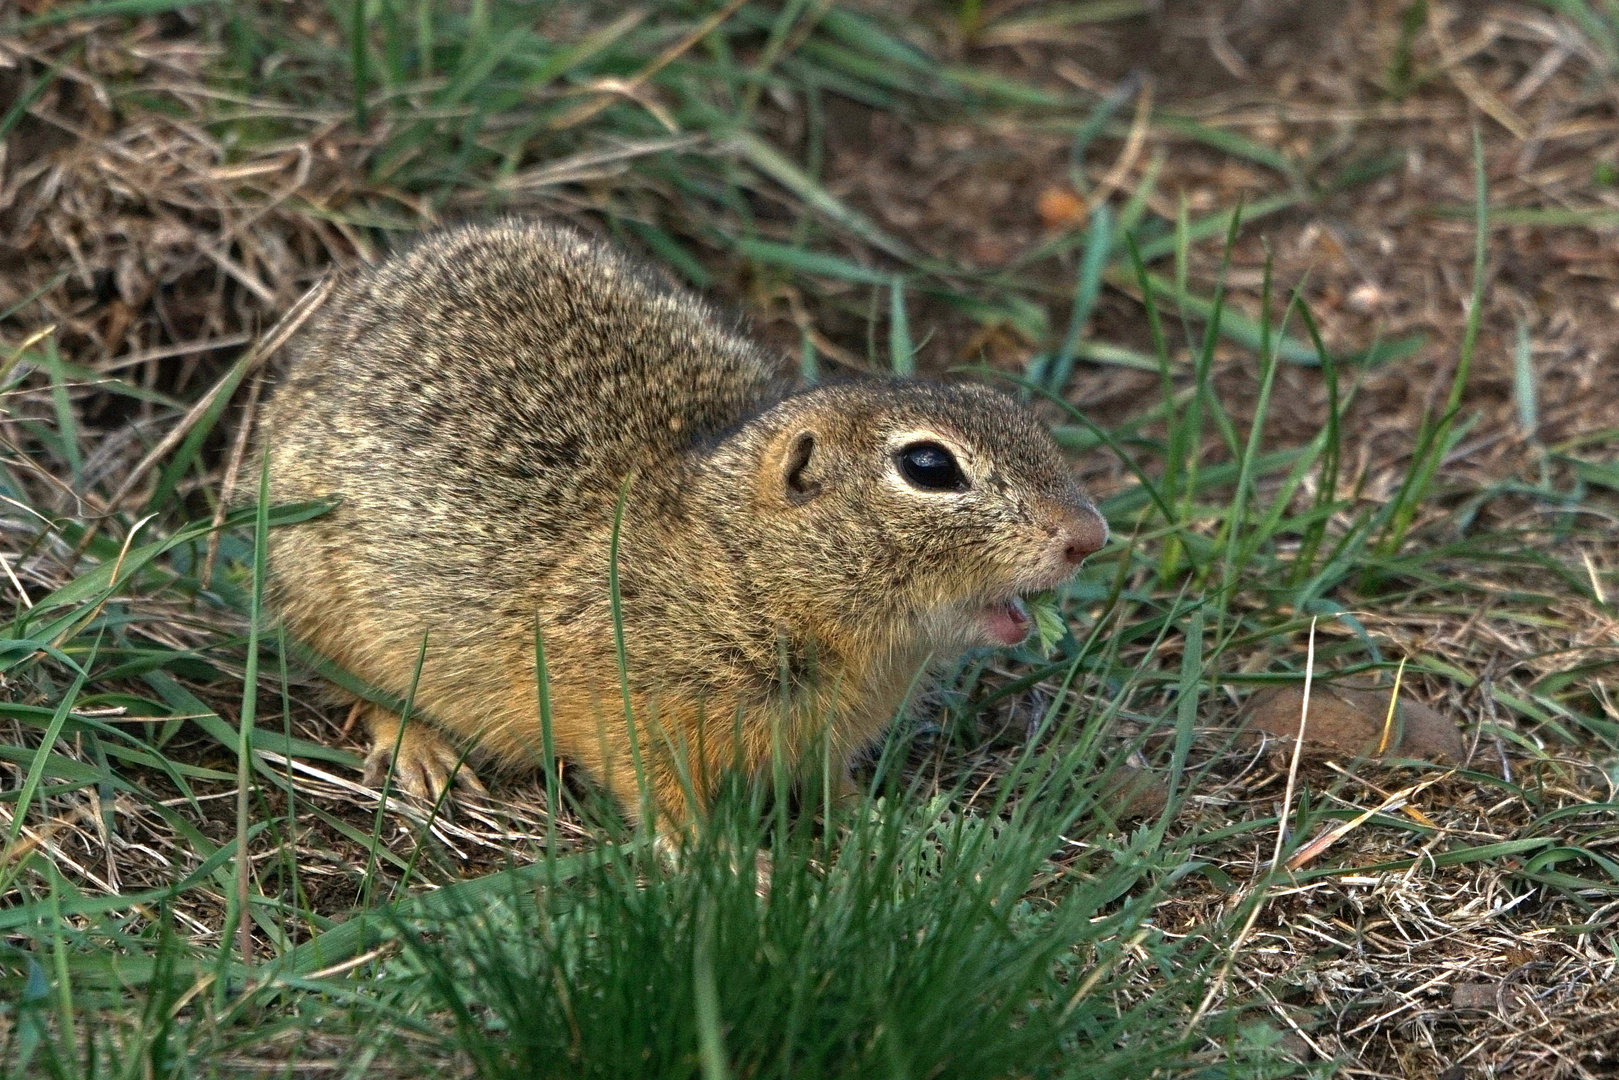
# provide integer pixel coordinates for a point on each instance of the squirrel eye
(931, 467)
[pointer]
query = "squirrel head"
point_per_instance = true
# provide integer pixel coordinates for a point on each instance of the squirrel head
(901, 513)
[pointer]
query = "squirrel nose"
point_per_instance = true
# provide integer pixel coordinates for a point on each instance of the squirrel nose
(1084, 534)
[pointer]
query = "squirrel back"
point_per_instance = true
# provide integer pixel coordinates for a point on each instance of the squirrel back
(518, 372)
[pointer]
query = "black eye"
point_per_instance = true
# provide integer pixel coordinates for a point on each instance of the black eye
(931, 467)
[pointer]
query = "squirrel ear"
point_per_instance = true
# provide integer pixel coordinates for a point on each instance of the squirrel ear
(800, 469)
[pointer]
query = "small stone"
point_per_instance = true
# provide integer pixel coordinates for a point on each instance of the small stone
(1132, 794)
(1366, 297)
(1350, 720)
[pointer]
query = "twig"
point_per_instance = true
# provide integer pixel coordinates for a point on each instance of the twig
(233, 468)
(1133, 143)
(1397, 801)
(185, 348)
(22, 593)
(351, 963)
(1475, 91)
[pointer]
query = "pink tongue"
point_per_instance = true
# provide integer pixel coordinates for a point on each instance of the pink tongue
(1006, 624)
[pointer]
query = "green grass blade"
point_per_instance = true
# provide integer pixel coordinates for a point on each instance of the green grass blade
(186, 456)
(770, 161)
(809, 367)
(20, 107)
(67, 425)
(705, 999)
(104, 8)
(1230, 143)
(815, 263)
(647, 821)
(1098, 252)
(1436, 439)
(238, 914)
(359, 55)
(900, 349)
(364, 931)
(36, 768)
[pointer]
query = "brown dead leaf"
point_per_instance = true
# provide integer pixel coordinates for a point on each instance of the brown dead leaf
(1350, 720)
(1061, 207)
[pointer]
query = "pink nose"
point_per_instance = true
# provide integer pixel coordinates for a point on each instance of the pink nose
(1083, 534)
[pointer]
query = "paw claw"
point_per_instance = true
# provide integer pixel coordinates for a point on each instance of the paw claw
(423, 766)
(376, 766)
(468, 781)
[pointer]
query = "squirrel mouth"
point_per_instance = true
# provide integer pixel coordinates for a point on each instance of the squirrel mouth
(1006, 622)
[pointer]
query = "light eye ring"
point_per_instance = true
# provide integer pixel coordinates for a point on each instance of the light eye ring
(929, 465)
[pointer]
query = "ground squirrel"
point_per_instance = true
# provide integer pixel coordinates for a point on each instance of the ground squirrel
(479, 407)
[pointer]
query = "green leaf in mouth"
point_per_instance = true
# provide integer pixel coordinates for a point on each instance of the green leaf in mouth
(1049, 624)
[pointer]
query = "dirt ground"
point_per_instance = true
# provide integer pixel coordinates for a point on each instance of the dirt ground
(122, 219)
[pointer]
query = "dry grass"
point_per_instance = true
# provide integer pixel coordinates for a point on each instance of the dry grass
(157, 215)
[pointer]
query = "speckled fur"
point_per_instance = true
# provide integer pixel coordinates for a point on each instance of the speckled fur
(476, 404)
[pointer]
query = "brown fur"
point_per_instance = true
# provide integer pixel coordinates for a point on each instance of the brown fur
(476, 406)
